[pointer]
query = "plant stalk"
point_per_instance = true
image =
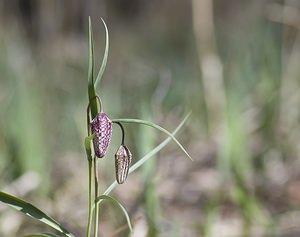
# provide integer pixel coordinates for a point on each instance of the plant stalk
(96, 220)
(90, 218)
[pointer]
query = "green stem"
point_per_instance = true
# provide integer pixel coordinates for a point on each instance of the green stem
(96, 220)
(123, 133)
(153, 125)
(90, 218)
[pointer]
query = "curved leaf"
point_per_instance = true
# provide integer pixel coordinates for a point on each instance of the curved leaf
(42, 235)
(105, 56)
(153, 125)
(109, 198)
(149, 155)
(33, 212)
(91, 86)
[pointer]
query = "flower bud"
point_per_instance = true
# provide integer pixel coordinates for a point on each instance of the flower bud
(122, 162)
(101, 125)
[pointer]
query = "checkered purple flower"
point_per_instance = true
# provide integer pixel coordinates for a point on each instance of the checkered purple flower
(101, 125)
(122, 162)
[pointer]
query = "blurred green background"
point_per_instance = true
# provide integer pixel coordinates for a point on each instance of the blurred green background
(234, 64)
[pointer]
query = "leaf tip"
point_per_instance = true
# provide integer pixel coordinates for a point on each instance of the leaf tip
(189, 114)
(103, 21)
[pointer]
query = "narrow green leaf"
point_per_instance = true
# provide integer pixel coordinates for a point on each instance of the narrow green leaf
(109, 198)
(153, 125)
(33, 212)
(42, 235)
(105, 56)
(91, 86)
(91, 55)
(149, 155)
(87, 144)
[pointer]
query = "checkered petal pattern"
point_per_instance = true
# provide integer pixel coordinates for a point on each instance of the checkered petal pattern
(122, 161)
(101, 125)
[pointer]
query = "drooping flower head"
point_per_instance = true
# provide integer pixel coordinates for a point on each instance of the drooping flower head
(122, 161)
(101, 125)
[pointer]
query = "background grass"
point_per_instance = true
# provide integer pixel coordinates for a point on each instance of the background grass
(243, 134)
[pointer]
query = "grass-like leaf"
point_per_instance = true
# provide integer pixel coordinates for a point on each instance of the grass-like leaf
(42, 235)
(109, 198)
(149, 155)
(105, 56)
(87, 145)
(91, 86)
(33, 212)
(153, 125)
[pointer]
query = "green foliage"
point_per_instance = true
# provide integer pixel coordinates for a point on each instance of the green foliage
(87, 145)
(42, 235)
(105, 56)
(33, 212)
(153, 125)
(91, 85)
(118, 204)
